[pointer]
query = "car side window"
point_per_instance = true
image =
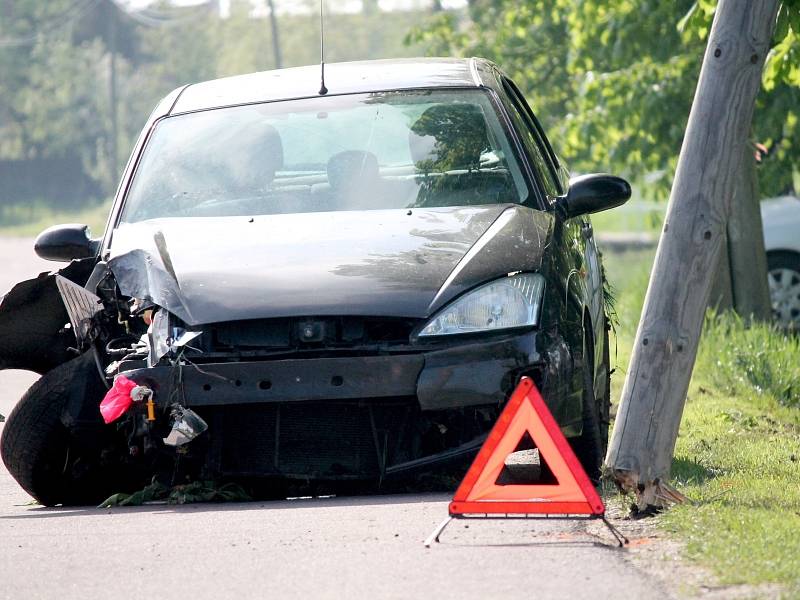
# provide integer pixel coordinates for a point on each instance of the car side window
(538, 150)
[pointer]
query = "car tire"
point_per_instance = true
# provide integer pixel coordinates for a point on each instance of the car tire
(784, 287)
(36, 447)
(590, 446)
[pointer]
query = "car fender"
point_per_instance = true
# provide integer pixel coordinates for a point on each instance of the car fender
(518, 240)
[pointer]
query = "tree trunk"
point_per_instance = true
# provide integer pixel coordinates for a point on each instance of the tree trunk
(746, 246)
(646, 427)
(741, 279)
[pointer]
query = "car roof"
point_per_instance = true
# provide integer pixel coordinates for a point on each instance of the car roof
(340, 78)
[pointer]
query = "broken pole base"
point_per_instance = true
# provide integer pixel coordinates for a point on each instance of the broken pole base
(651, 497)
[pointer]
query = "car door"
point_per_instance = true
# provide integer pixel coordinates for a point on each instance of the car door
(566, 266)
(584, 272)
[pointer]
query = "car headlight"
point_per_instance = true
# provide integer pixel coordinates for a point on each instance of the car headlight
(502, 304)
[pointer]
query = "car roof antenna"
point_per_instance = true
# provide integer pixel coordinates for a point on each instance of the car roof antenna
(322, 89)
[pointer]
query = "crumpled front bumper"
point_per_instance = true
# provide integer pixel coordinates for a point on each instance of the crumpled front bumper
(287, 380)
(477, 372)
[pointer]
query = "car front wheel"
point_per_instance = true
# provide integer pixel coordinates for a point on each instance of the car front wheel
(39, 451)
(591, 445)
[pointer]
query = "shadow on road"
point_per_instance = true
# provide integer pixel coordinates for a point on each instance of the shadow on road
(44, 512)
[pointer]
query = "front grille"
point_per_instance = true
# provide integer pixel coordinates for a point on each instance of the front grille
(308, 439)
(252, 334)
(309, 332)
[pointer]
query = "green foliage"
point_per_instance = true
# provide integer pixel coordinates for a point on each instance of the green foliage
(190, 493)
(613, 81)
(49, 103)
(744, 359)
(783, 63)
(528, 39)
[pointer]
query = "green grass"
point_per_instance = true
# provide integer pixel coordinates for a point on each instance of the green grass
(738, 459)
(738, 451)
(631, 218)
(628, 274)
(30, 220)
(743, 360)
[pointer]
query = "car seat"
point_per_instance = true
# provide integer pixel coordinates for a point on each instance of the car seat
(355, 180)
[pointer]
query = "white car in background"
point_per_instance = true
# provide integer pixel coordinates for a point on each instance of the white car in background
(781, 218)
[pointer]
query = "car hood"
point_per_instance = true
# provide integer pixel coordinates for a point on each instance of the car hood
(404, 263)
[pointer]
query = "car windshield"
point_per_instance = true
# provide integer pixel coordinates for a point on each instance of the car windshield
(336, 153)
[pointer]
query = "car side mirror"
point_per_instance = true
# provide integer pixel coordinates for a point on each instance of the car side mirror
(64, 243)
(593, 193)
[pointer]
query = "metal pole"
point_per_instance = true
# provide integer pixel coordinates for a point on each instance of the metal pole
(276, 43)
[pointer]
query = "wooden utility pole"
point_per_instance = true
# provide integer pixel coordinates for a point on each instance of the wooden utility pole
(643, 441)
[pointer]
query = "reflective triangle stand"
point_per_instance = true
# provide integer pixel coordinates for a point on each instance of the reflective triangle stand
(436, 534)
(481, 496)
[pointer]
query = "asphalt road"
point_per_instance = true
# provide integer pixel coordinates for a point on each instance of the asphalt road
(366, 547)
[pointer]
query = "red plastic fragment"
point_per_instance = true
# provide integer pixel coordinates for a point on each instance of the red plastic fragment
(118, 399)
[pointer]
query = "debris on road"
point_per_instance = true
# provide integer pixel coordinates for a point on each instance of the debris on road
(190, 493)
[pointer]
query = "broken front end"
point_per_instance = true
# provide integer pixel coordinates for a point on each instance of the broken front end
(141, 393)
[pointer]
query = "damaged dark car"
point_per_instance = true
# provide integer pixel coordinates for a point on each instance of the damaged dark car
(298, 287)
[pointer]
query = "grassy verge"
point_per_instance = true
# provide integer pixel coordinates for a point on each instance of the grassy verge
(738, 451)
(738, 456)
(643, 218)
(628, 273)
(30, 220)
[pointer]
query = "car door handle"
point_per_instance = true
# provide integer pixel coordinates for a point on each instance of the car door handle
(587, 231)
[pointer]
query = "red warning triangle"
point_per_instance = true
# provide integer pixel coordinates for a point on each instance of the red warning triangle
(479, 492)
